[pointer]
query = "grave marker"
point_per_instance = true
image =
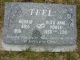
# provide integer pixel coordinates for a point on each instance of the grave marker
(41, 27)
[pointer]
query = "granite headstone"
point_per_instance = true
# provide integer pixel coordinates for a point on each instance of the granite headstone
(40, 27)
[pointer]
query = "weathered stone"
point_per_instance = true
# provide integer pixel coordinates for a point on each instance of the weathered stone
(40, 27)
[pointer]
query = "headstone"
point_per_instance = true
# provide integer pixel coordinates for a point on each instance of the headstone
(40, 27)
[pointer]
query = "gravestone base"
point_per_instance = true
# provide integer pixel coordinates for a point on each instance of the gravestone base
(39, 48)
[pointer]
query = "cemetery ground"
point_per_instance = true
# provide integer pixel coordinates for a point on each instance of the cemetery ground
(31, 55)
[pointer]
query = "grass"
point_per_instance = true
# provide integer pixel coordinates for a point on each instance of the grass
(30, 55)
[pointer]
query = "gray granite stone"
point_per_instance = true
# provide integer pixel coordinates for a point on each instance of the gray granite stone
(40, 27)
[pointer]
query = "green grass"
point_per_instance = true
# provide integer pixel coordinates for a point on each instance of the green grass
(30, 55)
(8, 0)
